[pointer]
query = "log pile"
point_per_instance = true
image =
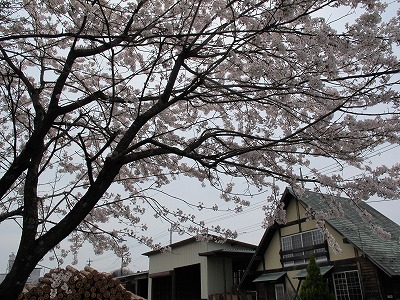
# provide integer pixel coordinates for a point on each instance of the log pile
(70, 284)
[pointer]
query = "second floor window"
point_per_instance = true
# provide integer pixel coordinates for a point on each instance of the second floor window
(297, 248)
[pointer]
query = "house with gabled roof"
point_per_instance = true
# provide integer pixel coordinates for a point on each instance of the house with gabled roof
(194, 270)
(366, 267)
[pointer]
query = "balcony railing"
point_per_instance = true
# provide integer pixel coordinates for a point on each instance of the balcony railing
(301, 255)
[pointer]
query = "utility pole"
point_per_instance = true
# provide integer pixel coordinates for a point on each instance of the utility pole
(170, 234)
(89, 261)
(122, 264)
(301, 176)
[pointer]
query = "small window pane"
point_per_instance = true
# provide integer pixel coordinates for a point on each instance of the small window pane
(307, 239)
(321, 258)
(287, 243)
(288, 263)
(299, 262)
(318, 237)
(296, 241)
(279, 291)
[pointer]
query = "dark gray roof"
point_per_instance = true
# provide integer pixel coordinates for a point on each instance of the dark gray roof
(230, 252)
(385, 253)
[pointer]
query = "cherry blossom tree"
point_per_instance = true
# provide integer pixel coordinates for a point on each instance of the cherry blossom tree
(104, 99)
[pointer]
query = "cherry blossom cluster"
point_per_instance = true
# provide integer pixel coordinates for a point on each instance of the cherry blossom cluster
(329, 237)
(274, 211)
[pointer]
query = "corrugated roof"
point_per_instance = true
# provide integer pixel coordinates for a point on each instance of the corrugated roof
(322, 270)
(194, 240)
(384, 253)
(269, 276)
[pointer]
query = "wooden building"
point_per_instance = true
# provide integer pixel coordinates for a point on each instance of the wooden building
(195, 270)
(367, 267)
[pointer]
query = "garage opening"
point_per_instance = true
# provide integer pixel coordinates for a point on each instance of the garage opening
(161, 288)
(188, 283)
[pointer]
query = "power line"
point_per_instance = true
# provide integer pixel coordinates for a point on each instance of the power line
(336, 167)
(331, 168)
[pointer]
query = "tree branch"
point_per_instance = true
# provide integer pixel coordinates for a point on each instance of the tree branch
(18, 212)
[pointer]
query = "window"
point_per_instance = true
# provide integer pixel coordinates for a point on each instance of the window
(347, 286)
(299, 241)
(279, 291)
(238, 269)
(237, 276)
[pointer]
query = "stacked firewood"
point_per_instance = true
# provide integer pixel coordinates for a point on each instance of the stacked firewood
(72, 284)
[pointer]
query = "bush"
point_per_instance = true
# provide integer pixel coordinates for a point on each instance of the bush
(314, 287)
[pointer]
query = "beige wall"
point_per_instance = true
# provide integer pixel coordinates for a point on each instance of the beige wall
(271, 256)
(348, 250)
(215, 275)
(292, 214)
(291, 211)
(149, 288)
(291, 283)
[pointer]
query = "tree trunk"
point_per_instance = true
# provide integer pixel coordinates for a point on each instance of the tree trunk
(31, 252)
(14, 281)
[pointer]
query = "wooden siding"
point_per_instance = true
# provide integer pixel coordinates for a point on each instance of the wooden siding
(389, 286)
(369, 279)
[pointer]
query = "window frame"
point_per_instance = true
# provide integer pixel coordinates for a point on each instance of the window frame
(301, 254)
(344, 280)
(282, 291)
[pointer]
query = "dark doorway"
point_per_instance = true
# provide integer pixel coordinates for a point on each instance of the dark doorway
(161, 288)
(141, 289)
(188, 283)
